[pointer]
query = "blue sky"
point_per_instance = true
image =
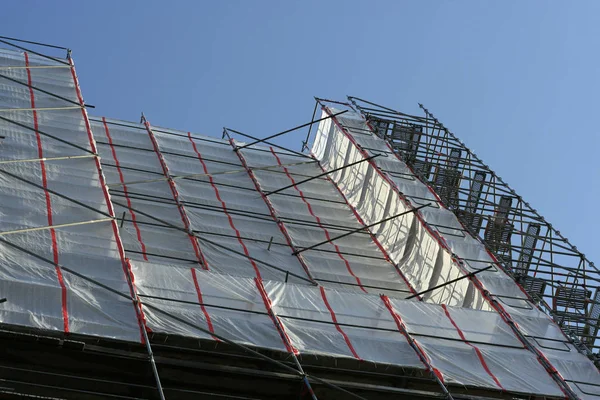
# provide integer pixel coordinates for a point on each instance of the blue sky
(517, 81)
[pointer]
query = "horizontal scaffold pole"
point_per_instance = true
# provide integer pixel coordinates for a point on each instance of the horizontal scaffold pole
(190, 176)
(31, 51)
(10, 121)
(25, 160)
(44, 91)
(41, 228)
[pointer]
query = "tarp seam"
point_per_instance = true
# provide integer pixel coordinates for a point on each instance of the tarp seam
(337, 326)
(479, 354)
(125, 190)
(417, 347)
(176, 197)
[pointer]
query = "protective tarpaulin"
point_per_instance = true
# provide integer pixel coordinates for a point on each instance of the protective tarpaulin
(341, 324)
(577, 370)
(54, 179)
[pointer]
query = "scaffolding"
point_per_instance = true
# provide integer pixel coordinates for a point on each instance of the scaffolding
(166, 264)
(554, 272)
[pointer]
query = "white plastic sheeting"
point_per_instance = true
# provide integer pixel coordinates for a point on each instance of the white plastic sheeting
(40, 294)
(472, 347)
(391, 178)
(334, 146)
(355, 261)
(334, 319)
(412, 243)
(577, 370)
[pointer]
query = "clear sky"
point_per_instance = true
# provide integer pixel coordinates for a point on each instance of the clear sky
(517, 81)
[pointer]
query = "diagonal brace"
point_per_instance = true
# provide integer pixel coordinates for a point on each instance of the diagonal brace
(289, 130)
(360, 229)
(451, 281)
(320, 175)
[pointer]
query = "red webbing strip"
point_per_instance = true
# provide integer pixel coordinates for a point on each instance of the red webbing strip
(125, 190)
(38, 138)
(224, 206)
(280, 224)
(175, 193)
(327, 235)
(339, 329)
(126, 265)
(419, 350)
(276, 321)
(479, 354)
(201, 301)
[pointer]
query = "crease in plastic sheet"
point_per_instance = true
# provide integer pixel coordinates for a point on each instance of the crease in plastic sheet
(246, 321)
(442, 221)
(36, 296)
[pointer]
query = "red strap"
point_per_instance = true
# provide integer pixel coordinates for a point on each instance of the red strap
(38, 137)
(339, 329)
(327, 235)
(125, 190)
(479, 354)
(402, 328)
(276, 321)
(201, 301)
(175, 193)
(224, 206)
(124, 261)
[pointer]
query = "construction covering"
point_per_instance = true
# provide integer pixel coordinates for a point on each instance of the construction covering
(115, 229)
(346, 139)
(49, 176)
(330, 305)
